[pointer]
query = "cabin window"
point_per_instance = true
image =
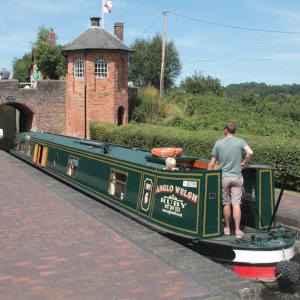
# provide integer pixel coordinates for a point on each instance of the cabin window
(79, 67)
(100, 67)
(55, 161)
(40, 155)
(24, 148)
(72, 166)
(117, 183)
(28, 150)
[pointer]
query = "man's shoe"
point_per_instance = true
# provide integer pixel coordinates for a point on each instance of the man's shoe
(239, 234)
(226, 231)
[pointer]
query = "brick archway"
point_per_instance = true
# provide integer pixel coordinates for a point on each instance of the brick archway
(41, 109)
(25, 116)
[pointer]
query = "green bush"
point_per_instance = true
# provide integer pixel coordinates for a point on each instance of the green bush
(148, 108)
(100, 130)
(209, 112)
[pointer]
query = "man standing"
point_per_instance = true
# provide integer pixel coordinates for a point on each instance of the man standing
(4, 74)
(36, 76)
(228, 151)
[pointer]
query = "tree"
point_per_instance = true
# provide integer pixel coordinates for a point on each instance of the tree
(250, 98)
(199, 84)
(145, 63)
(22, 67)
(48, 58)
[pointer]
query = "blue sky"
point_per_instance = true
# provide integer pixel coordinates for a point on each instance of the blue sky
(229, 54)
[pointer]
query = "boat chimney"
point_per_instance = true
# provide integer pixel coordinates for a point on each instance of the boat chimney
(118, 30)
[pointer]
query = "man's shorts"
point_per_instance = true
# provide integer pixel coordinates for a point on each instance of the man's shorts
(232, 190)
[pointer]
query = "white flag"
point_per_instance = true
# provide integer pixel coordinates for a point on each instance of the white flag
(107, 6)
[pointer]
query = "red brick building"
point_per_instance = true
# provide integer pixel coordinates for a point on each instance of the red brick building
(97, 79)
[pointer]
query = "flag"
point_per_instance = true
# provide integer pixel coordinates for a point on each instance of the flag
(107, 6)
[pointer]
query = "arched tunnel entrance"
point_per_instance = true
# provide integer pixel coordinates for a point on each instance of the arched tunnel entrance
(14, 117)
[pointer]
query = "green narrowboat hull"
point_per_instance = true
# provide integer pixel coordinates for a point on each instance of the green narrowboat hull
(185, 203)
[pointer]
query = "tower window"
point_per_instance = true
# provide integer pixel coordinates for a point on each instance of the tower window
(100, 67)
(79, 67)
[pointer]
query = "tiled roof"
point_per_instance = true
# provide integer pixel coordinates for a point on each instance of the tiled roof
(96, 38)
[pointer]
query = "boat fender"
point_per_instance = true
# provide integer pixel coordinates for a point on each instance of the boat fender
(166, 152)
(288, 273)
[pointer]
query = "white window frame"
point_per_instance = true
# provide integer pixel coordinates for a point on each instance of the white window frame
(101, 67)
(79, 67)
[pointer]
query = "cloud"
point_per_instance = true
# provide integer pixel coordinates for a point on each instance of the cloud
(270, 8)
(279, 11)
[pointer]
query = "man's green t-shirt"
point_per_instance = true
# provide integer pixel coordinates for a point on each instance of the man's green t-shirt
(228, 152)
(36, 75)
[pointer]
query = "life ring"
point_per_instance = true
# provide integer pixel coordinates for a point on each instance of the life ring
(166, 152)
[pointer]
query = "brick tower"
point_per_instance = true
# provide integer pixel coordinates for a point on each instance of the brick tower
(97, 79)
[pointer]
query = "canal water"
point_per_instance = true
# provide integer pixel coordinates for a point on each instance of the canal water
(273, 292)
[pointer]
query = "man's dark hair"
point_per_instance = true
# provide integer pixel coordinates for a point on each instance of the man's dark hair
(231, 127)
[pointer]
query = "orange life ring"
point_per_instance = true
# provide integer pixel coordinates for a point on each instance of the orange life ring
(165, 152)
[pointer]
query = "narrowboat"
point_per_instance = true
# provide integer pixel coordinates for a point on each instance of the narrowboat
(184, 203)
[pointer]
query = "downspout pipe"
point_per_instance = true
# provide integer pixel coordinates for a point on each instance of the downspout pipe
(85, 96)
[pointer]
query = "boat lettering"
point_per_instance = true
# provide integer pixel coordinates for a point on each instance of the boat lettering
(173, 201)
(172, 205)
(148, 186)
(146, 197)
(164, 189)
(178, 191)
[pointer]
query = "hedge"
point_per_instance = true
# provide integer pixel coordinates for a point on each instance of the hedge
(282, 153)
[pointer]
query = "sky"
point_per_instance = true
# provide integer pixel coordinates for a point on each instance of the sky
(232, 40)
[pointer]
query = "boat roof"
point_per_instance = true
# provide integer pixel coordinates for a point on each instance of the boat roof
(133, 155)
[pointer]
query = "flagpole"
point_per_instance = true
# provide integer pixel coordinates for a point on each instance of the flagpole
(102, 21)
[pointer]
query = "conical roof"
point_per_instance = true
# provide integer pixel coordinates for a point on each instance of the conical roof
(96, 38)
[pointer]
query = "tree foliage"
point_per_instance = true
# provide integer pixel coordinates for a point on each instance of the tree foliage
(250, 97)
(48, 58)
(145, 63)
(281, 101)
(148, 109)
(235, 91)
(22, 67)
(199, 84)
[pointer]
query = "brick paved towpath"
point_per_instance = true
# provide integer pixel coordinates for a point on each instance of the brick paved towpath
(56, 243)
